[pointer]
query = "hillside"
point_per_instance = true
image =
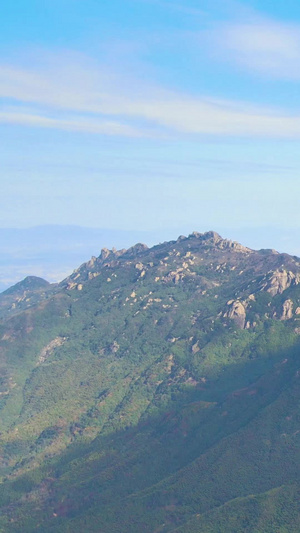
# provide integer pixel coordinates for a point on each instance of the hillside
(22, 295)
(154, 390)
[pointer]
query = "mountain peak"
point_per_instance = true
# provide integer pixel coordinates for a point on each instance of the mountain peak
(207, 235)
(29, 283)
(183, 359)
(213, 238)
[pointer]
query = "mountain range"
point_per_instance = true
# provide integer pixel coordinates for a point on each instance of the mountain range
(154, 389)
(52, 251)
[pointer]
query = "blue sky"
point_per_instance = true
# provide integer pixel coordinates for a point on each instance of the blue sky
(153, 115)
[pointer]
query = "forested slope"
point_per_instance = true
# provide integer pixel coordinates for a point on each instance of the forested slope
(154, 390)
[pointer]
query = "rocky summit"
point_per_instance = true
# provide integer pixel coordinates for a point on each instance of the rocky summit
(156, 390)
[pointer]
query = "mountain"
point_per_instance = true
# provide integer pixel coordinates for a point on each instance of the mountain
(22, 295)
(52, 251)
(154, 389)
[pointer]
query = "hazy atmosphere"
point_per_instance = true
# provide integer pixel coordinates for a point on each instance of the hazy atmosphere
(145, 119)
(150, 266)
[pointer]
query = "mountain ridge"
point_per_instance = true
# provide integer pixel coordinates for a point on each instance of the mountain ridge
(149, 388)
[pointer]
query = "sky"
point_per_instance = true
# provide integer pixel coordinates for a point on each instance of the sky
(152, 115)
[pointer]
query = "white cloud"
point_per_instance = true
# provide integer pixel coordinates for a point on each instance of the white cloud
(207, 116)
(80, 124)
(264, 46)
(78, 95)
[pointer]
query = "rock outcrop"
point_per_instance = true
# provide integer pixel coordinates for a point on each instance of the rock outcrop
(213, 238)
(237, 312)
(287, 310)
(280, 281)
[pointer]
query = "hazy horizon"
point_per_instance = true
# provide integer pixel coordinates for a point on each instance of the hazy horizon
(151, 116)
(53, 252)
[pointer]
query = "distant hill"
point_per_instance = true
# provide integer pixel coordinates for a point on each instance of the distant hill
(23, 294)
(154, 389)
(53, 251)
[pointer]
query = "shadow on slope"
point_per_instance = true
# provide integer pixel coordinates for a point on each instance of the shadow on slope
(193, 458)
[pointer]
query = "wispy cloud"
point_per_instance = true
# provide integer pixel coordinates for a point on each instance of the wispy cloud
(260, 45)
(79, 95)
(24, 117)
(243, 36)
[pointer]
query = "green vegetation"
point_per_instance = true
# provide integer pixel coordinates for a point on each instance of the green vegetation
(154, 390)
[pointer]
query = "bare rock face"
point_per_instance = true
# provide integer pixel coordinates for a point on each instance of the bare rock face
(236, 246)
(91, 262)
(195, 347)
(280, 281)
(71, 285)
(49, 349)
(92, 275)
(237, 312)
(176, 276)
(115, 347)
(104, 254)
(136, 249)
(213, 238)
(287, 310)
